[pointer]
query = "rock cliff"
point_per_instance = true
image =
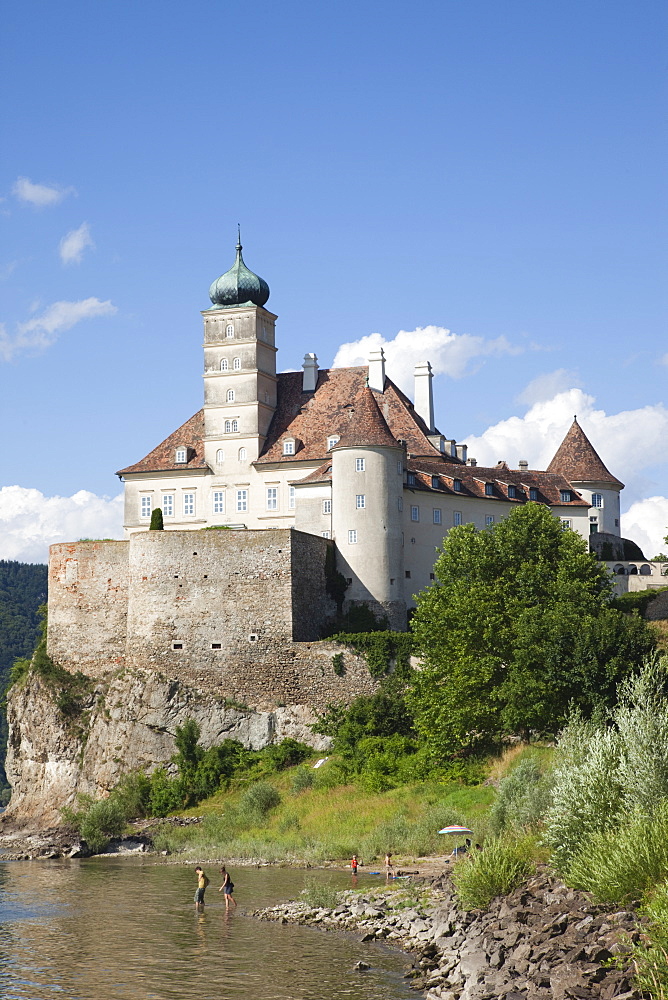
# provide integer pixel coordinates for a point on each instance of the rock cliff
(119, 724)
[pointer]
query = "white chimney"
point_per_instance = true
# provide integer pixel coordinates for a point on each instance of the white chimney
(461, 451)
(472, 462)
(523, 463)
(424, 397)
(377, 370)
(310, 367)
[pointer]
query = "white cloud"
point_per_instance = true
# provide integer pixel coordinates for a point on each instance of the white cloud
(39, 195)
(74, 243)
(548, 385)
(41, 331)
(646, 522)
(450, 353)
(30, 521)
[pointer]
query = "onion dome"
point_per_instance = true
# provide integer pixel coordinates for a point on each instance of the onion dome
(239, 286)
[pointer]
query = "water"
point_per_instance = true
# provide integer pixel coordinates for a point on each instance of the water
(126, 929)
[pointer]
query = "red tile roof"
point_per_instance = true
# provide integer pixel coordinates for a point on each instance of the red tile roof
(366, 426)
(474, 478)
(577, 460)
(162, 459)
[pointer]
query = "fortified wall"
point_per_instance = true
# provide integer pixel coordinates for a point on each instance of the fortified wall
(235, 613)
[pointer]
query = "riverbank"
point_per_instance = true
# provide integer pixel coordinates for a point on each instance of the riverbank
(542, 941)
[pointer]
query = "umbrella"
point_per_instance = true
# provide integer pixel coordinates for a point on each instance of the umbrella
(456, 831)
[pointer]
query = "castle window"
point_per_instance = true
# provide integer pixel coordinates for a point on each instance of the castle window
(288, 447)
(272, 498)
(242, 501)
(565, 522)
(229, 330)
(235, 426)
(177, 645)
(188, 504)
(352, 537)
(242, 454)
(616, 522)
(360, 501)
(228, 426)
(230, 395)
(144, 506)
(489, 519)
(593, 529)
(596, 500)
(533, 493)
(437, 515)
(236, 364)
(168, 504)
(512, 492)
(411, 479)
(400, 468)
(291, 497)
(219, 502)
(489, 489)
(326, 534)
(360, 464)
(224, 365)
(331, 441)
(216, 645)
(457, 518)
(457, 485)
(415, 513)
(432, 576)
(400, 503)
(435, 483)
(181, 455)
(327, 506)
(565, 496)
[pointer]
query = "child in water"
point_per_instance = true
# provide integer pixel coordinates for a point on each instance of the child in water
(202, 882)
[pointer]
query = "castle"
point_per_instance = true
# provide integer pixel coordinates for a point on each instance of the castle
(299, 464)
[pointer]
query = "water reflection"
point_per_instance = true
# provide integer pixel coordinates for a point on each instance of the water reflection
(126, 929)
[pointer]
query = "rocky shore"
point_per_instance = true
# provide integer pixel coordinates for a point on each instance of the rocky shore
(543, 942)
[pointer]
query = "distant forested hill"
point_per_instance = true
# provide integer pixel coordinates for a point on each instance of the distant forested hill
(22, 590)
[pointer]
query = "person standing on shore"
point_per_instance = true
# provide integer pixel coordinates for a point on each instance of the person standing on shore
(227, 888)
(202, 882)
(388, 865)
(354, 864)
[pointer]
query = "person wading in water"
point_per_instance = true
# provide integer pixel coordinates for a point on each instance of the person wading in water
(227, 887)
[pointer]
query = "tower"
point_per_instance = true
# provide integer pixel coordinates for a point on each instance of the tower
(239, 366)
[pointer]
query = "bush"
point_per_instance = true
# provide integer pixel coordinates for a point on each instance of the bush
(100, 822)
(156, 520)
(303, 778)
(499, 868)
(523, 800)
(258, 800)
(650, 956)
(620, 865)
(321, 894)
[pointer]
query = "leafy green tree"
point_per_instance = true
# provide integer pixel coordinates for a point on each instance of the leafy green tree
(517, 627)
(157, 523)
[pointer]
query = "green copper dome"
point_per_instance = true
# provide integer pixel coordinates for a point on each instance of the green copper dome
(239, 286)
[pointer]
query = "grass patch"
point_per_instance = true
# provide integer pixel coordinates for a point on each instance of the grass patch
(503, 864)
(318, 893)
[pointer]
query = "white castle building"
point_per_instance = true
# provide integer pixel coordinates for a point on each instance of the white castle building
(342, 453)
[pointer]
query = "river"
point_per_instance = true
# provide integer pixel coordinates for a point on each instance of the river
(126, 929)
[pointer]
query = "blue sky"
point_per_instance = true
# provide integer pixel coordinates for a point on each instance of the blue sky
(497, 170)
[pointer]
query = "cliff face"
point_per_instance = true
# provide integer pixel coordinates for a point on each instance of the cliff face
(121, 724)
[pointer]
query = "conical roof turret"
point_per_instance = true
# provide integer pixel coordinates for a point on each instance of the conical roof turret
(366, 426)
(577, 460)
(239, 286)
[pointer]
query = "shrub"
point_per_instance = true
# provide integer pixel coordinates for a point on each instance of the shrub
(101, 821)
(317, 893)
(499, 868)
(523, 800)
(650, 956)
(156, 520)
(258, 800)
(620, 865)
(303, 778)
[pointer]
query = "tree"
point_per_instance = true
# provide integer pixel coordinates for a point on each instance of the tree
(157, 523)
(517, 628)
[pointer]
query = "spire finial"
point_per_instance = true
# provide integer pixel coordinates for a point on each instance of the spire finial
(239, 247)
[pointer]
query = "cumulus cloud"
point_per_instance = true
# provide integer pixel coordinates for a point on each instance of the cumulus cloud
(646, 522)
(39, 195)
(30, 521)
(450, 353)
(74, 243)
(548, 385)
(42, 331)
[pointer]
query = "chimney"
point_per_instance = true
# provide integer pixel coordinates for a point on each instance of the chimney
(523, 464)
(472, 462)
(310, 367)
(424, 397)
(461, 452)
(377, 370)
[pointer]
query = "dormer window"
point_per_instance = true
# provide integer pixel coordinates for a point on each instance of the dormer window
(489, 489)
(566, 496)
(512, 492)
(435, 483)
(457, 485)
(289, 446)
(236, 364)
(331, 441)
(181, 456)
(533, 493)
(229, 330)
(224, 365)
(230, 395)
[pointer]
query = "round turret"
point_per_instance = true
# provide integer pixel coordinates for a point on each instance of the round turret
(239, 286)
